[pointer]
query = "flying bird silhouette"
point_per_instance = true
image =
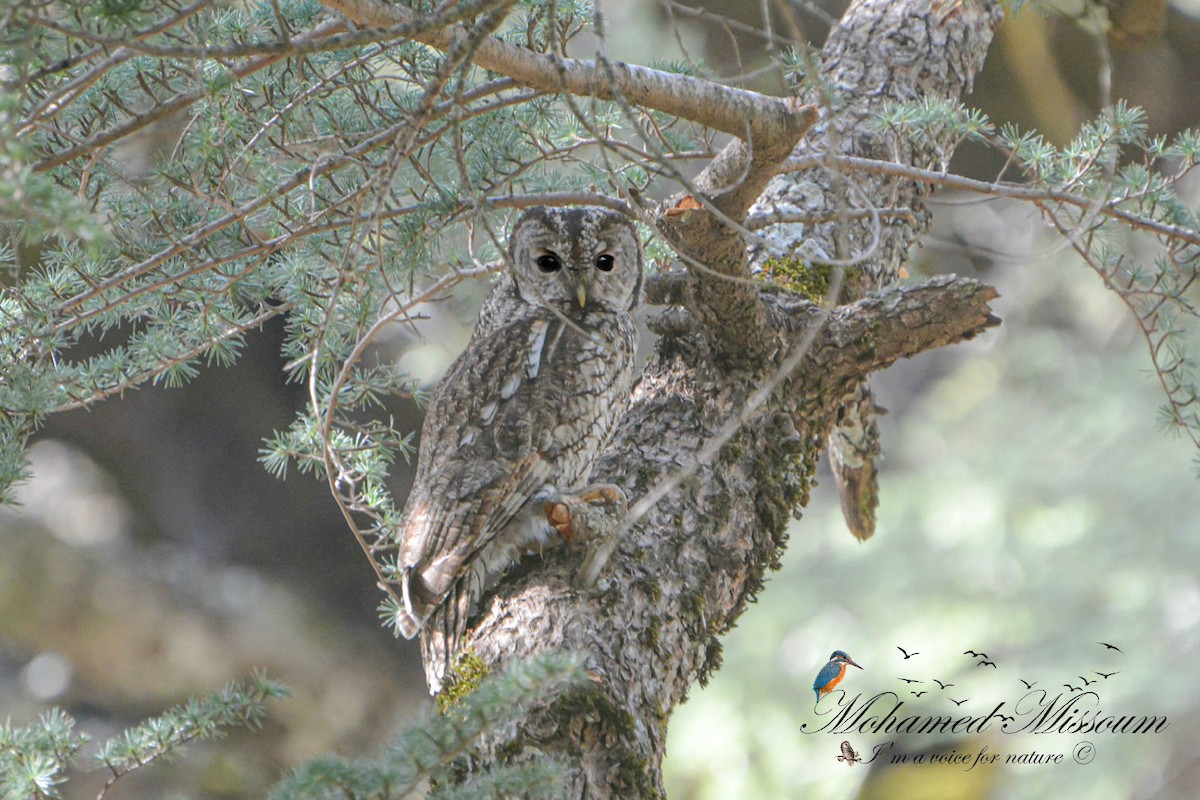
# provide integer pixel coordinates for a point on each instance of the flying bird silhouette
(1073, 688)
(907, 655)
(1107, 675)
(959, 702)
(1111, 646)
(1028, 685)
(918, 694)
(942, 685)
(986, 663)
(909, 680)
(1086, 682)
(973, 654)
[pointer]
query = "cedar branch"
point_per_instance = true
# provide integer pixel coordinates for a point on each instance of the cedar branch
(750, 116)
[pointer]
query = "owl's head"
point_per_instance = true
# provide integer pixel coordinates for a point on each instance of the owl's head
(577, 259)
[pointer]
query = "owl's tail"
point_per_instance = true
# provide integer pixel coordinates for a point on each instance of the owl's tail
(417, 602)
(441, 635)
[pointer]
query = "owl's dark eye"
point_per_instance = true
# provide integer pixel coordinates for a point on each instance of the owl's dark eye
(604, 263)
(548, 263)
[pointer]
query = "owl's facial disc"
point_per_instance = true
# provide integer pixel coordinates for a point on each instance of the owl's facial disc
(577, 259)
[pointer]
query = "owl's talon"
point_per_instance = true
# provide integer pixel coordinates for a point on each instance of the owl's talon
(559, 517)
(606, 494)
(580, 517)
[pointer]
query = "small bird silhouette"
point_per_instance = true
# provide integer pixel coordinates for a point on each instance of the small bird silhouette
(832, 673)
(1086, 682)
(942, 685)
(909, 680)
(973, 654)
(959, 702)
(1028, 685)
(1107, 675)
(1111, 646)
(918, 694)
(907, 655)
(1073, 688)
(849, 755)
(986, 663)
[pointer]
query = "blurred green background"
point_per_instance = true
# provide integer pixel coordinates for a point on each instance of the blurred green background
(1031, 508)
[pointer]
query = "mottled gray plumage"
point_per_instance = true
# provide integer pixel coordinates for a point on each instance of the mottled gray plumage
(520, 417)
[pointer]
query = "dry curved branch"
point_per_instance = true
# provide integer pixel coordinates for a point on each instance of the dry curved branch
(747, 115)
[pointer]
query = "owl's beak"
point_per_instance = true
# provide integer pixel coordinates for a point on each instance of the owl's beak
(581, 295)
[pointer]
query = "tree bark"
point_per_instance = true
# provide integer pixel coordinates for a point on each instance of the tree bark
(719, 447)
(741, 405)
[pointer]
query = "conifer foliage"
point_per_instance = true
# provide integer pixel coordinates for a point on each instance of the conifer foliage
(175, 174)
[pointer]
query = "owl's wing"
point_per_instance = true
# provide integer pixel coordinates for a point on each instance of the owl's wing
(443, 534)
(500, 308)
(485, 451)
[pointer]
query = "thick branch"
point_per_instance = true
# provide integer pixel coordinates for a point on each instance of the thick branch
(748, 115)
(718, 290)
(880, 329)
(882, 51)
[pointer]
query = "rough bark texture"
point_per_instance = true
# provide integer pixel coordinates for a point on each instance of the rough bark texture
(883, 52)
(683, 574)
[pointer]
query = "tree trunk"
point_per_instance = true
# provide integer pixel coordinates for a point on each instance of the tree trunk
(733, 410)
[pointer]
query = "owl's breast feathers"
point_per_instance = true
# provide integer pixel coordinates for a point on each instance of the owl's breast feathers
(505, 423)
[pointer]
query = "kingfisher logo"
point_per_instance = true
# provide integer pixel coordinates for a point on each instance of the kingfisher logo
(950, 705)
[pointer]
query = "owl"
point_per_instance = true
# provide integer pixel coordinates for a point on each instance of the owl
(520, 417)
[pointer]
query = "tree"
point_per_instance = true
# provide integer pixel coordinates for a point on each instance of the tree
(340, 163)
